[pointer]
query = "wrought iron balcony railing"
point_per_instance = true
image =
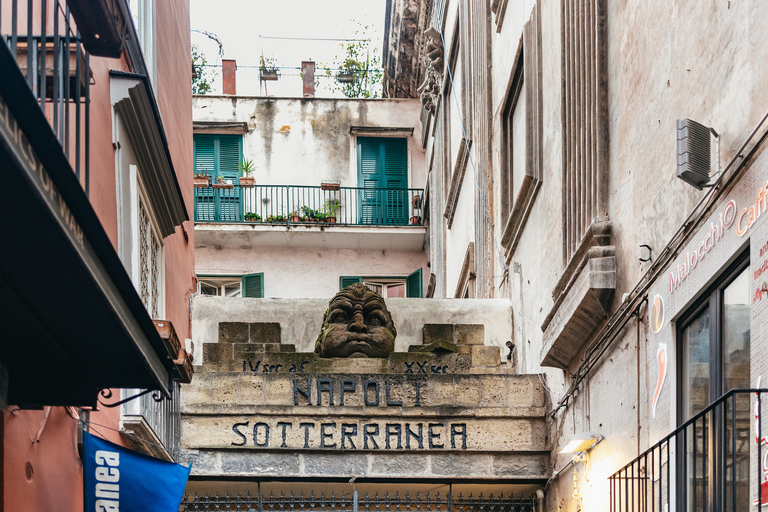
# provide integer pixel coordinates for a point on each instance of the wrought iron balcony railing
(712, 462)
(295, 204)
(50, 54)
(163, 417)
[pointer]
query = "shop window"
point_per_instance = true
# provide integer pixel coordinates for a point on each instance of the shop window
(248, 286)
(713, 358)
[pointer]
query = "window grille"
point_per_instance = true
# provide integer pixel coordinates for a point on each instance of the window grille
(150, 262)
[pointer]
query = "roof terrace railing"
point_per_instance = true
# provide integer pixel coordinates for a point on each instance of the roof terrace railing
(297, 204)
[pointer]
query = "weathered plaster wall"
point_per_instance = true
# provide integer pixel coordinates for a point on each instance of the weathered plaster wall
(665, 61)
(305, 141)
(307, 272)
(42, 469)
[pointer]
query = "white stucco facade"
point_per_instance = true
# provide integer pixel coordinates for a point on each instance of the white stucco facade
(296, 144)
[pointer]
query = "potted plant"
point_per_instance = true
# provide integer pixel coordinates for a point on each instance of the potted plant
(415, 220)
(345, 76)
(246, 168)
(330, 209)
(222, 183)
(201, 179)
(309, 214)
(268, 69)
(252, 217)
(294, 216)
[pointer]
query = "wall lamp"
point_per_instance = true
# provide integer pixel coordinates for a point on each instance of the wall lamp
(581, 443)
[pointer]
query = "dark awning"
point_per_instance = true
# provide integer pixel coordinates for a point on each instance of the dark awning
(72, 322)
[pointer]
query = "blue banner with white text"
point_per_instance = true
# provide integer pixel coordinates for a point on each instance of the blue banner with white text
(120, 480)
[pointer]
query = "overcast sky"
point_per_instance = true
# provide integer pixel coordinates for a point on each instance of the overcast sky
(247, 28)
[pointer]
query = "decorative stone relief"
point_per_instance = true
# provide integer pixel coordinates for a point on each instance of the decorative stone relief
(434, 62)
(357, 323)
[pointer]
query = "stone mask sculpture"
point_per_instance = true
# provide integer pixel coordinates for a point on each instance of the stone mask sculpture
(357, 323)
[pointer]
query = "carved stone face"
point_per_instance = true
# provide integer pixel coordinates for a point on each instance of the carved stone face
(356, 324)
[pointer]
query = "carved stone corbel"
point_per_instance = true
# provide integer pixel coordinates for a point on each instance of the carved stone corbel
(434, 61)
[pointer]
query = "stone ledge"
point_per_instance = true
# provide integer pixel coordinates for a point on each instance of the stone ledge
(523, 466)
(583, 307)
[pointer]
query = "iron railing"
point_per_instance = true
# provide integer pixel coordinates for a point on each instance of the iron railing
(351, 501)
(703, 465)
(164, 417)
(292, 204)
(49, 53)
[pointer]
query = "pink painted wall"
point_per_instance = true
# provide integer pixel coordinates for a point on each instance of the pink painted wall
(174, 96)
(55, 480)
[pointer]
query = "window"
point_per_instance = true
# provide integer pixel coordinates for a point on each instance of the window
(466, 286)
(584, 120)
(248, 286)
(388, 287)
(382, 165)
(513, 140)
(218, 156)
(143, 14)
(521, 136)
(149, 262)
(713, 358)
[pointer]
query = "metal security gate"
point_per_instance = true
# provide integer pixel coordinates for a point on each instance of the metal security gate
(353, 502)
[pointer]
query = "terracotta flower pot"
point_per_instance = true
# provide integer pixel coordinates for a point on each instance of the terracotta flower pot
(201, 182)
(295, 218)
(416, 219)
(331, 220)
(222, 185)
(246, 181)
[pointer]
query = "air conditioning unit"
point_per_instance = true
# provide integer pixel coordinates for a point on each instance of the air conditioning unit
(694, 152)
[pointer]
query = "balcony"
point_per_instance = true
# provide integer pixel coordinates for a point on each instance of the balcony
(711, 462)
(105, 339)
(230, 215)
(296, 204)
(153, 425)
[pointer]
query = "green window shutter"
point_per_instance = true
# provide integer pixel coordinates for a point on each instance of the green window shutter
(383, 165)
(230, 153)
(413, 285)
(253, 285)
(218, 155)
(396, 176)
(369, 177)
(205, 159)
(345, 281)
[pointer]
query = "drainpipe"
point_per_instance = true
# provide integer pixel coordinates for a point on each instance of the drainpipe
(540, 500)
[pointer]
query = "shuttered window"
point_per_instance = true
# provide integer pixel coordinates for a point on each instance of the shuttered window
(388, 286)
(253, 285)
(218, 156)
(345, 281)
(383, 176)
(413, 285)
